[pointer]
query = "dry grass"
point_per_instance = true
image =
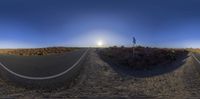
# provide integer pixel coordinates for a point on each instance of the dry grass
(195, 50)
(144, 57)
(36, 51)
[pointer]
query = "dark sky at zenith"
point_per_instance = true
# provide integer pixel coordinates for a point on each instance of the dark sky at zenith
(42, 23)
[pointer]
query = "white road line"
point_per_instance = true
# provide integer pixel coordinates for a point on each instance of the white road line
(195, 58)
(47, 77)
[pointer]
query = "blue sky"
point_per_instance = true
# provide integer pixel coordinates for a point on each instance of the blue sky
(43, 23)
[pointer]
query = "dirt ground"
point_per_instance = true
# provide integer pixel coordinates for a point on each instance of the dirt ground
(99, 80)
(36, 51)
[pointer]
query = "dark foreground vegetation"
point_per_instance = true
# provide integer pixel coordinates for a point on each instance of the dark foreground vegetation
(144, 58)
(36, 51)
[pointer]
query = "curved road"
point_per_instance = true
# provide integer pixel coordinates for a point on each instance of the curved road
(41, 67)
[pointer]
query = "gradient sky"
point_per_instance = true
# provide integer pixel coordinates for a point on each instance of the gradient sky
(42, 23)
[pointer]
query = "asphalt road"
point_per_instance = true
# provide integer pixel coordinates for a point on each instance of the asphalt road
(196, 57)
(41, 66)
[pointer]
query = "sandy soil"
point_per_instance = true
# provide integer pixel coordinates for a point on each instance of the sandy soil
(99, 79)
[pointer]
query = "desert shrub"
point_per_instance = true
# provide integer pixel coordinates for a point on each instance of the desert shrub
(144, 58)
(38, 51)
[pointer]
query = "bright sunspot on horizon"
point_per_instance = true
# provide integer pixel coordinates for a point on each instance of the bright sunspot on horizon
(89, 23)
(99, 43)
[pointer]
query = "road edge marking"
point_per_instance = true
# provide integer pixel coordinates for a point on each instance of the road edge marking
(47, 77)
(195, 58)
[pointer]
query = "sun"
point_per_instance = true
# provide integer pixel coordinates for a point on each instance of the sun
(99, 43)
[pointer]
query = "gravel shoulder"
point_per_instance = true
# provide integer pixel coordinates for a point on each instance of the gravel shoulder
(99, 79)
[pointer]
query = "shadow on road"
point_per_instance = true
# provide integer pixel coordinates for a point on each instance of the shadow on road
(125, 71)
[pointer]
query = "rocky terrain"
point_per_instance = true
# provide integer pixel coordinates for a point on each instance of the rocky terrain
(36, 51)
(98, 79)
(144, 58)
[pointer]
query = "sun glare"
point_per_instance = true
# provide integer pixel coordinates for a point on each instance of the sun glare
(99, 43)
